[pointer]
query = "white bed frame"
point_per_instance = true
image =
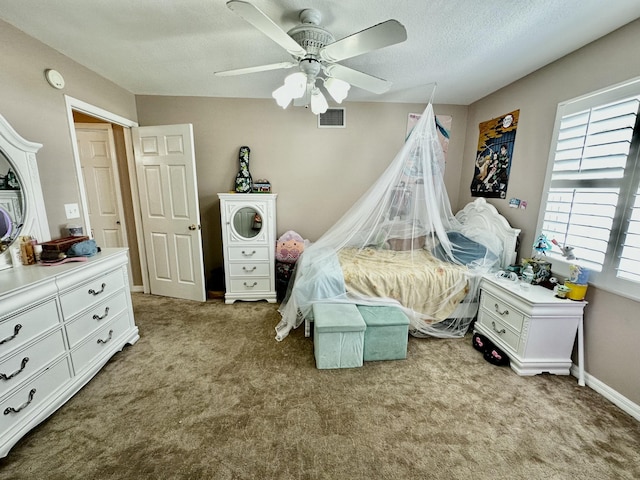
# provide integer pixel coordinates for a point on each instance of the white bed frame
(483, 215)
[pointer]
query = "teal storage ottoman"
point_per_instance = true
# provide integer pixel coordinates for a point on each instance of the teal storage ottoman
(387, 333)
(338, 335)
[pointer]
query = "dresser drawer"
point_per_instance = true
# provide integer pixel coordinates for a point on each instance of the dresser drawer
(249, 269)
(499, 329)
(248, 253)
(15, 331)
(22, 364)
(502, 311)
(95, 317)
(32, 396)
(250, 285)
(104, 341)
(90, 293)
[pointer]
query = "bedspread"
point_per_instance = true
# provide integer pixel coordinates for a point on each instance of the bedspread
(414, 278)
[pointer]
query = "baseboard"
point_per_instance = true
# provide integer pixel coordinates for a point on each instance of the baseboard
(610, 394)
(137, 289)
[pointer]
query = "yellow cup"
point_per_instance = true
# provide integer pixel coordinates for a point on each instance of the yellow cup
(577, 291)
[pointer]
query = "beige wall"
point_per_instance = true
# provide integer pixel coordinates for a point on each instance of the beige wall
(612, 327)
(37, 111)
(317, 173)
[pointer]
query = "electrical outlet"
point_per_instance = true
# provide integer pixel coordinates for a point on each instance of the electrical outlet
(72, 210)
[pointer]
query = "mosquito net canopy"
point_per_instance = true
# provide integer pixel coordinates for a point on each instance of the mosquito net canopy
(399, 244)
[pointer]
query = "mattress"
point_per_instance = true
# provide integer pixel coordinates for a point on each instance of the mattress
(416, 279)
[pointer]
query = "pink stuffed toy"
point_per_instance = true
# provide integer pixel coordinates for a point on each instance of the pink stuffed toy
(289, 247)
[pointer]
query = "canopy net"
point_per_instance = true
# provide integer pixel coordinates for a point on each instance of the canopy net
(399, 244)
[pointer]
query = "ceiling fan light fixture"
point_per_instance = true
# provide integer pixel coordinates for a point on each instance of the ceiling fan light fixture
(338, 89)
(318, 102)
(282, 96)
(296, 84)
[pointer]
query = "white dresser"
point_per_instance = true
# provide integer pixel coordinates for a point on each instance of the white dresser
(535, 329)
(59, 325)
(249, 242)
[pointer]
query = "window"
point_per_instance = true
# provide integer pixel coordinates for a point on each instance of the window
(593, 187)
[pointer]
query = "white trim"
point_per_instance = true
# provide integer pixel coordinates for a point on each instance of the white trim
(610, 394)
(135, 197)
(84, 107)
(74, 104)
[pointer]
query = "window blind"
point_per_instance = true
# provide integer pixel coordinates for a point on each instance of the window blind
(629, 266)
(590, 168)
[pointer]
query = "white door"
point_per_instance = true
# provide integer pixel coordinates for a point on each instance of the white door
(96, 148)
(166, 174)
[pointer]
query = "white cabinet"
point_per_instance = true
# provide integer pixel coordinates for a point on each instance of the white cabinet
(249, 242)
(59, 325)
(535, 329)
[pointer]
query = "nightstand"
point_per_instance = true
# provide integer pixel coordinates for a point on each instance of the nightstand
(535, 328)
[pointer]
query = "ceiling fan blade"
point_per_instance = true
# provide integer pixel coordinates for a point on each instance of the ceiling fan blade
(373, 38)
(259, 68)
(259, 19)
(358, 79)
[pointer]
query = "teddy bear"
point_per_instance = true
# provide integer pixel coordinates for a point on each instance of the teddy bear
(289, 247)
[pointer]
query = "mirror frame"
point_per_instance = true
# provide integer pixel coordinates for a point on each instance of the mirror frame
(21, 154)
(255, 211)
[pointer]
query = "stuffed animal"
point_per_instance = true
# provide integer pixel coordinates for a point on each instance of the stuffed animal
(289, 247)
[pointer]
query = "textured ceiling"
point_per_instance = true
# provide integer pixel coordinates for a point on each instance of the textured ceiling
(470, 48)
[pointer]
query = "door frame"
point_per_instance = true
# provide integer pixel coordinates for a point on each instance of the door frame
(74, 104)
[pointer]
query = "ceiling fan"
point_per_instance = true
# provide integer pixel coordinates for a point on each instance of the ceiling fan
(316, 53)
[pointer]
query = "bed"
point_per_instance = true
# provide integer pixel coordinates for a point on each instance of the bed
(446, 290)
(381, 251)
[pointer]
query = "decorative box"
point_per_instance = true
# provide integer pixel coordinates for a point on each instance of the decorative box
(61, 245)
(387, 333)
(261, 186)
(338, 335)
(541, 269)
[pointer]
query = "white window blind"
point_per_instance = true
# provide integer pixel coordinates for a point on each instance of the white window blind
(629, 267)
(593, 199)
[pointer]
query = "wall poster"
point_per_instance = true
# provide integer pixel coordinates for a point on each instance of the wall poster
(493, 158)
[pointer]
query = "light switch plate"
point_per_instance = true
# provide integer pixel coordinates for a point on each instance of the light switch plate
(72, 210)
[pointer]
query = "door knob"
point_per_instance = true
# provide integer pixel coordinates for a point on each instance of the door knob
(194, 227)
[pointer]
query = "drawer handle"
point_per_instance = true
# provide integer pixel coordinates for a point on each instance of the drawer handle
(504, 312)
(108, 338)
(23, 363)
(16, 329)
(249, 270)
(499, 332)
(98, 317)
(97, 292)
(250, 286)
(248, 254)
(9, 410)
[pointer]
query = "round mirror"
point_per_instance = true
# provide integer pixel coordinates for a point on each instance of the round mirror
(11, 208)
(247, 222)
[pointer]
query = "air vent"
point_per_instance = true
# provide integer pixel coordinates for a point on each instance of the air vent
(332, 118)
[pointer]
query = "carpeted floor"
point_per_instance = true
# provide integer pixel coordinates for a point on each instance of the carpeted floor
(207, 393)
